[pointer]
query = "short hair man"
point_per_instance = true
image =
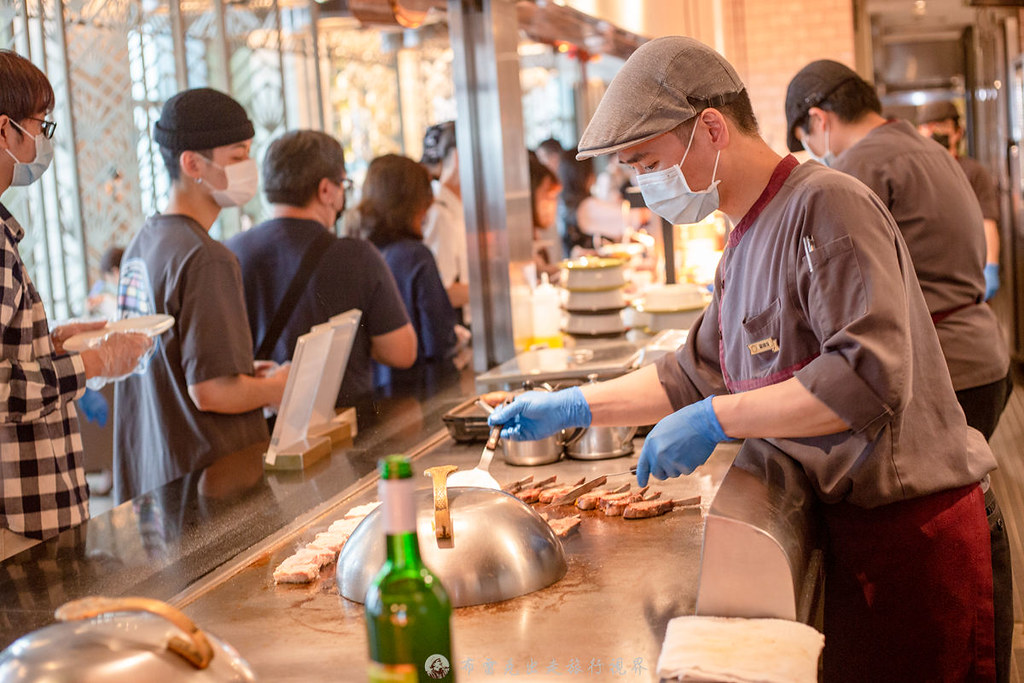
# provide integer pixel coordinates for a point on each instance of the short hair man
(804, 350)
(304, 182)
(940, 121)
(42, 475)
(202, 397)
(444, 226)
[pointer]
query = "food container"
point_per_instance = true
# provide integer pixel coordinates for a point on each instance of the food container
(540, 451)
(497, 548)
(601, 443)
(595, 324)
(467, 422)
(671, 307)
(107, 640)
(613, 299)
(589, 273)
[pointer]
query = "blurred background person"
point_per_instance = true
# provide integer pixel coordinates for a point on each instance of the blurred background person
(444, 227)
(584, 221)
(297, 274)
(544, 191)
(102, 298)
(395, 198)
(940, 121)
(549, 153)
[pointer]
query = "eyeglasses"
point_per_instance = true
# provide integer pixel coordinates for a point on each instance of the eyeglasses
(48, 126)
(346, 184)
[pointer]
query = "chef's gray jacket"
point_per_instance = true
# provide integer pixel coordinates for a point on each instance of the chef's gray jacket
(816, 283)
(938, 213)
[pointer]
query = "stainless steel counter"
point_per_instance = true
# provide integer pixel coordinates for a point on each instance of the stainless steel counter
(625, 580)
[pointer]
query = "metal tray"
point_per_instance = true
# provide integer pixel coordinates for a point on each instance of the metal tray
(467, 422)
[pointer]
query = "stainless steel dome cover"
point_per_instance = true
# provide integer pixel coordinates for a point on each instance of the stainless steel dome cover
(121, 639)
(500, 548)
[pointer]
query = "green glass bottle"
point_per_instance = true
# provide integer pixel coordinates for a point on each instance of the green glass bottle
(408, 614)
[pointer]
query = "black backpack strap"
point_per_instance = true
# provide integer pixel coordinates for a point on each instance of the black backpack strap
(310, 259)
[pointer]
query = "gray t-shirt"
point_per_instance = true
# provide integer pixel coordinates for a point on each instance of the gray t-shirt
(173, 266)
(937, 212)
(816, 283)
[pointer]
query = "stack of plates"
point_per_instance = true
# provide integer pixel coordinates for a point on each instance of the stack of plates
(671, 307)
(593, 297)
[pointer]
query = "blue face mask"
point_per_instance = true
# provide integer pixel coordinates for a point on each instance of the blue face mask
(26, 173)
(667, 193)
(828, 158)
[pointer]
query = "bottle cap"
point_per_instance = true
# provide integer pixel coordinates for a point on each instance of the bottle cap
(395, 467)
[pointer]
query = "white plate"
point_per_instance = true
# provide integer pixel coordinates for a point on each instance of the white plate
(151, 325)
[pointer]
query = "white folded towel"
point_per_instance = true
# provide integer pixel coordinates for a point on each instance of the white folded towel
(740, 650)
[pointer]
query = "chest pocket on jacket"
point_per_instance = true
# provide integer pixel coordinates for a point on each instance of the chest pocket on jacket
(837, 286)
(760, 340)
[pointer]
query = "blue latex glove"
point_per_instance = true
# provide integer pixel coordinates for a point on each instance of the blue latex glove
(94, 407)
(680, 443)
(538, 414)
(991, 279)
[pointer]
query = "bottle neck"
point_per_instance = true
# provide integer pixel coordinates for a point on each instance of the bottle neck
(398, 508)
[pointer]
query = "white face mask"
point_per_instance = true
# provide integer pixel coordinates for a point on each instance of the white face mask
(243, 182)
(828, 158)
(669, 195)
(26, 173)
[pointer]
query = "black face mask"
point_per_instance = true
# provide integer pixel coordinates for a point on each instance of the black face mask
(942, 139)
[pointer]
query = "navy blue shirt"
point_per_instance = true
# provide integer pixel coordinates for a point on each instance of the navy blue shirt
(426, 302)
(351, 274)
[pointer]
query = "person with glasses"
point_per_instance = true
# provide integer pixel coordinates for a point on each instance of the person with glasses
(42, 476)
(297, 274)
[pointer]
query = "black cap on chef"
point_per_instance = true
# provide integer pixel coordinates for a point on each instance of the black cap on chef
(812, 85)
(201, 118)
(664, 83)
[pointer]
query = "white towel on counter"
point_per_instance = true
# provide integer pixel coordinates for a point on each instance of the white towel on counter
(740, 650)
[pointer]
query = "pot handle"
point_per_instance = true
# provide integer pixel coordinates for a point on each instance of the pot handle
(196, 649)
(443, 531)
(573, 437)
(630, 433)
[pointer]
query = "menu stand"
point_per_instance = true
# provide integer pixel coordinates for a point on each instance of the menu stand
(307, 428)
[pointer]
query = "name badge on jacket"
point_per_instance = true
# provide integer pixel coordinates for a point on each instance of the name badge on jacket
(769, 344)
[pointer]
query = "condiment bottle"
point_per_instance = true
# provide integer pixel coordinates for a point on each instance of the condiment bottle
(408, 614)
(547, 315)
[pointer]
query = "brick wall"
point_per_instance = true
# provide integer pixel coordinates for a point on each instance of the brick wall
(780, 38)
(767, 41)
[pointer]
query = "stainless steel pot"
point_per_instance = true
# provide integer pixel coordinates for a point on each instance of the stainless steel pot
(484, 545)
(121, 639)
(539, 452)
(600, 443)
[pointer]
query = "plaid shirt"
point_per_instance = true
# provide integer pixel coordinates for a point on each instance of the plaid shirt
(42, 480)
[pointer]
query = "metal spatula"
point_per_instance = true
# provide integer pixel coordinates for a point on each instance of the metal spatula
(479, 476)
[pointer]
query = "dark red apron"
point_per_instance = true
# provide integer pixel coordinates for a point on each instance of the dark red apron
(908, 591)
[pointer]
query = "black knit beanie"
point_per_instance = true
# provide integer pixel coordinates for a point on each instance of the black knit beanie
(201, 118)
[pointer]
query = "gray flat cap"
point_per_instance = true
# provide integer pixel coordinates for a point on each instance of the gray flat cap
(664, 83)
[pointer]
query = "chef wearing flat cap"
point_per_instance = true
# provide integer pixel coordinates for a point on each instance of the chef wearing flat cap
(817, 345)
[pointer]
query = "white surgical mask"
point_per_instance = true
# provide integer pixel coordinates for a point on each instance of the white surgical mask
(26, 173)
(243, 182)
(667, 193)
(828, 158)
